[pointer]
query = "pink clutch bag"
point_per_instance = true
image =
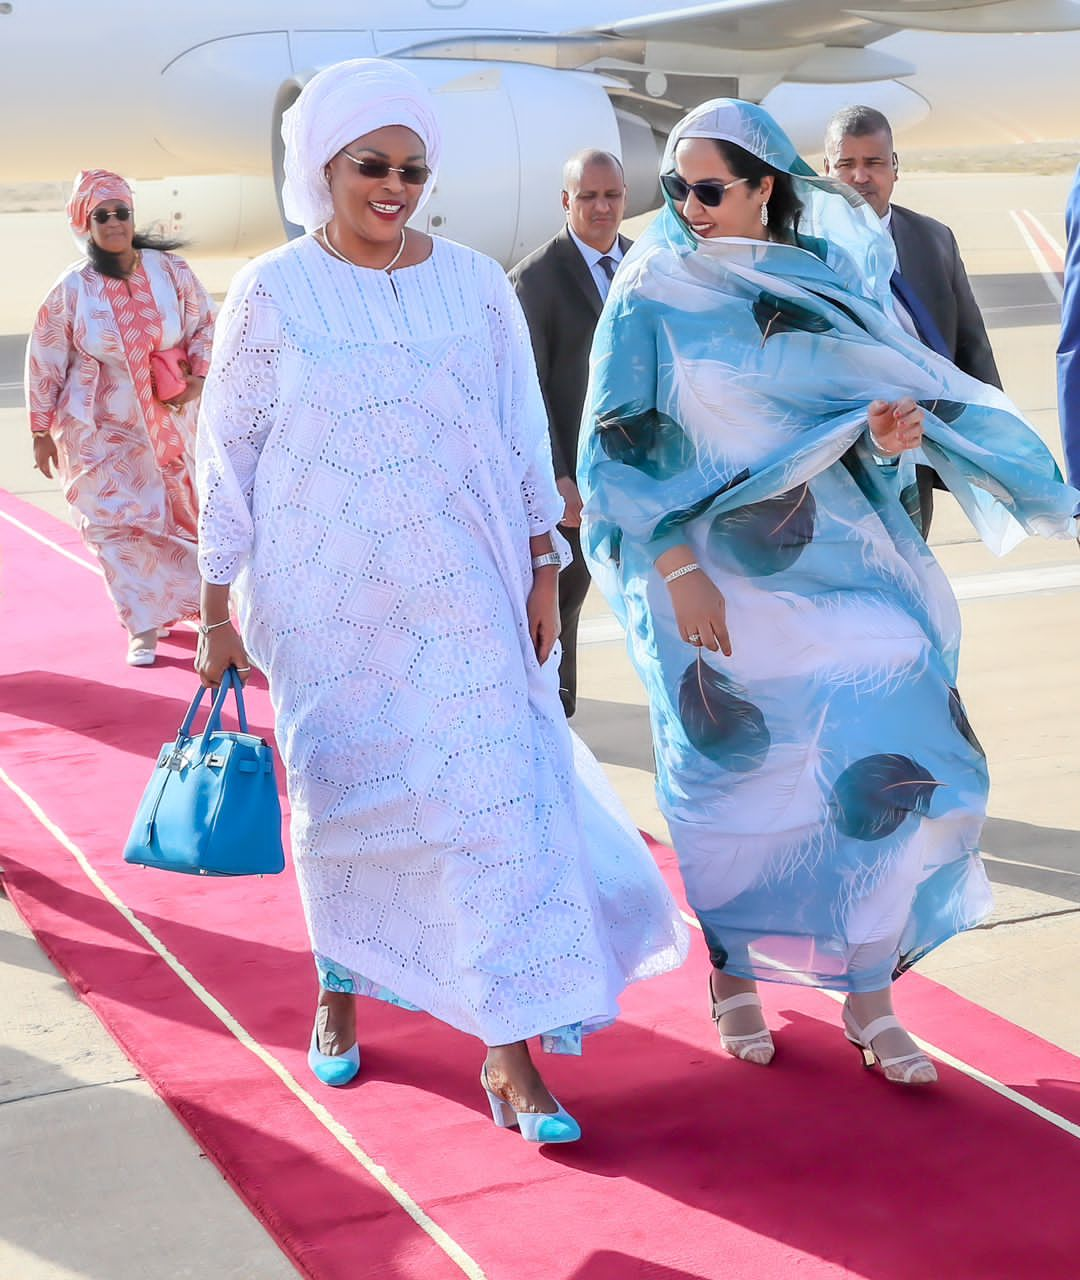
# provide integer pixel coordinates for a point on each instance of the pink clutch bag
(167, 370)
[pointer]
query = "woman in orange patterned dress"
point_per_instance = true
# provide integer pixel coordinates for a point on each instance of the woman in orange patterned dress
(123, 455)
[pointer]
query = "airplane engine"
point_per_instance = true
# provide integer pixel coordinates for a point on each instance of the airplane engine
(228, 215)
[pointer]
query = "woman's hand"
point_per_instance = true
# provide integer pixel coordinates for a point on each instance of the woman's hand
(192, 391)
(571, 497)
(895, 427)
(701, 612)
(218, 651)
(45, 455)
(543, 611)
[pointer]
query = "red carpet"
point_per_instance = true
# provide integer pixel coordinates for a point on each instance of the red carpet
(693, 1167)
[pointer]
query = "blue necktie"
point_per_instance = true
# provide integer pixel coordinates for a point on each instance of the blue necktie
(607, 265)
(930, 334)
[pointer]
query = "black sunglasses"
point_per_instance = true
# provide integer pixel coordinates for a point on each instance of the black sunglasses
(709, 193)
(101, 216)
(413, 175)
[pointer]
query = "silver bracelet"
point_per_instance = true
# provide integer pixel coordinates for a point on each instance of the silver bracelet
(205, 629)
(877, 450)
(681, 573)
(549, 557)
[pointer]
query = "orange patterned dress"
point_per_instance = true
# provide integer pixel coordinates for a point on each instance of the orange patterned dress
(125, 459)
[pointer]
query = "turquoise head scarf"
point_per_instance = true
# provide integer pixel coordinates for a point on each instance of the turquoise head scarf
(836, 224)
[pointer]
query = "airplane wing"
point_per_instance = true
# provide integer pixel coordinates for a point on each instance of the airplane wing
(672, 58)
(762, 24)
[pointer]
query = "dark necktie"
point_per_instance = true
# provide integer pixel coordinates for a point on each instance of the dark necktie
(608, 265)
(929, 333)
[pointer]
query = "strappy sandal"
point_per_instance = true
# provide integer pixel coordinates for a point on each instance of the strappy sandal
(908, 1069)
(756, 1047)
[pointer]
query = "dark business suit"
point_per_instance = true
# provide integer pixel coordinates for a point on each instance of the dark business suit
(562, 304)
(1068, 352)
(928, 258)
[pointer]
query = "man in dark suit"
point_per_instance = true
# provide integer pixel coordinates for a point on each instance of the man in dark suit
(562, 287)
(933, 296)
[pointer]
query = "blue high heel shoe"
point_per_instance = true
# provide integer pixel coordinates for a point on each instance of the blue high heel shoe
(333, 1070)
(534, 1126)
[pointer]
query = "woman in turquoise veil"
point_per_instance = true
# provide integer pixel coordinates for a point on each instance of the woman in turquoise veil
(747, 466)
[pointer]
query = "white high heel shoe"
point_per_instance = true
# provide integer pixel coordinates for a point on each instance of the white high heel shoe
(757, 1047)
(534, 1126)
(909, 1068)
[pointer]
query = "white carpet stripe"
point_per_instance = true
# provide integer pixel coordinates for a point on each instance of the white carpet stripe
(468, 1265)
(55, 546)
(40, 537)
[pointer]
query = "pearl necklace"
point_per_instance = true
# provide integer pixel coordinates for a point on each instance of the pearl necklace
(324, 234)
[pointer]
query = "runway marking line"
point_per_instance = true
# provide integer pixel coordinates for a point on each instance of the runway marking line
(467, 1264)
(1048, 254)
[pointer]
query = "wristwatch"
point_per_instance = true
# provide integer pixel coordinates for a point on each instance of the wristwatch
(550, 557)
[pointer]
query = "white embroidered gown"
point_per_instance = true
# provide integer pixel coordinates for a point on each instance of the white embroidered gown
(373, 458)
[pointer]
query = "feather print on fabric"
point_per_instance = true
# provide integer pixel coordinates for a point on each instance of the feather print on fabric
(776, 315)
(685, 514)
(960, 719)
(719, 719)
(709, 394)
(810, 640)
(767, 537)
(646, 439)
(946, 410)
(873, 796)
(909, 500)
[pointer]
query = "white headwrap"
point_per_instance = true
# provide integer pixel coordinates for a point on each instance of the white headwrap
(341, 103)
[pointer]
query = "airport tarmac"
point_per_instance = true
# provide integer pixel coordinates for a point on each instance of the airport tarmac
(103, 1183)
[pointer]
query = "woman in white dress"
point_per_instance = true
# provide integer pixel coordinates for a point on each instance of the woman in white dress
(376, 484)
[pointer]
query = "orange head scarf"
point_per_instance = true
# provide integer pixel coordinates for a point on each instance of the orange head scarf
(91, 188)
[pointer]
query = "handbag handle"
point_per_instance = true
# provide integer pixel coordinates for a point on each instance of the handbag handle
(230, 680)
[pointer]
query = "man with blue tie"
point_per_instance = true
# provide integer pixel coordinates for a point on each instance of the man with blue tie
(933, 296)
(562, 287)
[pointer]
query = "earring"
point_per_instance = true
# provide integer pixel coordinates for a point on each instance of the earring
(765, 214)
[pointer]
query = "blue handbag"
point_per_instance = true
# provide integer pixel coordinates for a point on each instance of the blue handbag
(211, 807)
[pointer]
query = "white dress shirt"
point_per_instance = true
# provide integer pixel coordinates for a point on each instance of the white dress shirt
(592, 261)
